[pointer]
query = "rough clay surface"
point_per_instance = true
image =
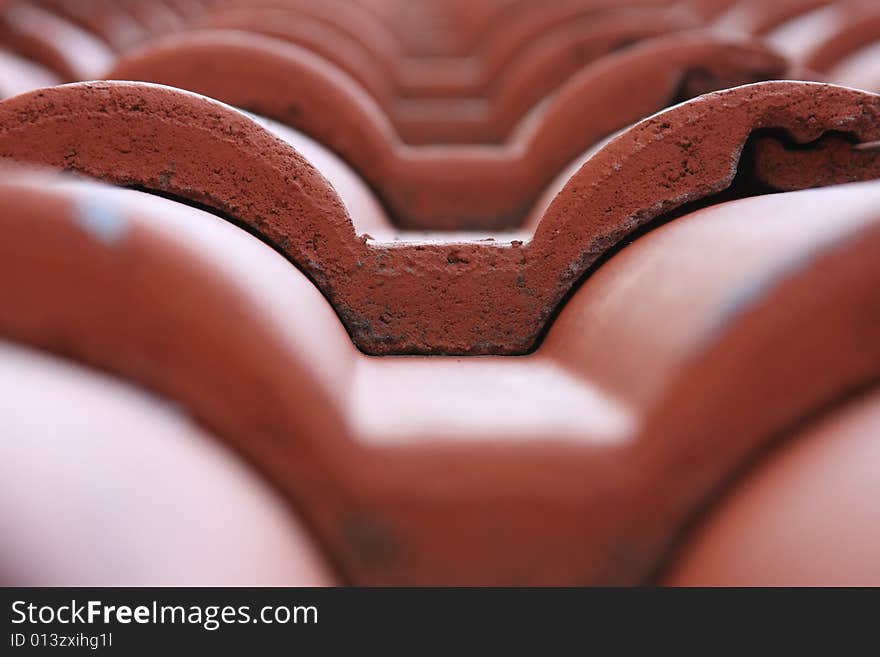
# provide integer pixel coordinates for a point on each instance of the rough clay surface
(483, 297)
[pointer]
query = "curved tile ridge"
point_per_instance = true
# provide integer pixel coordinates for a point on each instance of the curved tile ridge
(319, 37)
(349, 18)
(557, 54)
(515, 29)
(107, 20)
(68, 50)
(179, 143)
(170, 312)
(764, 317)
(129, 440)
(860, 70)
(449, 297)
(811, 491)
(189, 9)
(533, 75)
(450, 187)
(820, 39)
(156, 17)
(415, 25)
(707, 10)
(774, 329)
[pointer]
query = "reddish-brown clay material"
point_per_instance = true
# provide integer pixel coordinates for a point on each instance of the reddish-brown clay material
(69, 51)
(189, 10)
(368, 216)
(155, 17)
(461, 24)
(519, 26)
(211, 522)
(710, 9)
(319, 37)
(788, 352)
(532, 76)
(778, 321)
(438, 29)
(107, 20)
(348, 17)
(804, 516)
(437, 188)
(435, 297)
(453, 71)
(561, 51)
(667, 333)
(454, 297)
(507, 94)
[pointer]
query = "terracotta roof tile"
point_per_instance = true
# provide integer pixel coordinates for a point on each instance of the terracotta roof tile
(69, 51)
(435, 297)
(159, 533)
(448, 188)
(758, 18)
(822, 38)
(390, 472)
(860, 70)
(426, 181)
(500, 91)
(817, 491)
(19, 75)
(110, 21)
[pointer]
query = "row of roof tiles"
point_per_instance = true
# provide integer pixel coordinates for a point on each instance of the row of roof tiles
(524, 143)
(450, 295)
(399, 464)
(634, 404)
(526, 52)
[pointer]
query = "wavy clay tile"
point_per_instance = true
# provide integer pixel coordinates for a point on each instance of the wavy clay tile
(438, 28)
(157, 18)
(448, 295)
(128, 439)
(445, 70)
(480, 187)
(758, 17)
(109, 21)
(349, 18)
(190, 9)
(518, 25)
(640, 401)
(319, 37)
(821, 39)
(18, 75)
(815, 490)
(860, 70)
(709, 10)
(445, 28)
(460, 29)
(388, 76)
(67, 50)
(532, 77)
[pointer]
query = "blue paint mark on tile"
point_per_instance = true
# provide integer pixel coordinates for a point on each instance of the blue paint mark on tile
(102, 221)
